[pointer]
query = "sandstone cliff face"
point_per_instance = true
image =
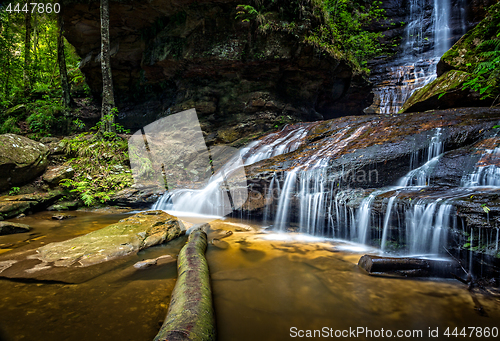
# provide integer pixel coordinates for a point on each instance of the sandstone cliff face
(168, 56)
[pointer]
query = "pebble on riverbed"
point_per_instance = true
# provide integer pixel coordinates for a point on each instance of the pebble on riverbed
(150, 262)
(63, 216)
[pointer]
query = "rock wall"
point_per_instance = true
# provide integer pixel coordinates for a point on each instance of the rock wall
(168, 56)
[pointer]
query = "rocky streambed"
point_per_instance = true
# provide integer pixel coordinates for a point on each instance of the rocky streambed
(341, 177)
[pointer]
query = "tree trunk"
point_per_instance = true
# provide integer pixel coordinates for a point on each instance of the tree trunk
(412, 267)
(108, 99)
(61, 60)
(190, 314)
(27, 54)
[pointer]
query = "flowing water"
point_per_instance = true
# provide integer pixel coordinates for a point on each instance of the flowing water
(210, 200)
(427, 36)
(263, 285)
(319, 213)
(486, 172)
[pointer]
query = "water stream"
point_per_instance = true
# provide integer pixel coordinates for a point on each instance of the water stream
(263, 284)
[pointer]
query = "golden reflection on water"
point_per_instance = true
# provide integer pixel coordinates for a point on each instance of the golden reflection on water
(261, 288)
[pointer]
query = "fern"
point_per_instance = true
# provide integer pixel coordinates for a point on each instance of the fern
(487, 72)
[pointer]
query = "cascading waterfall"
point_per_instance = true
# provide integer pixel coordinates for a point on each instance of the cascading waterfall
(422, 47)
(322, 210)
(441, 20)
(420, 176)
(426, 226)
(486, 172)
(387, 217)
(282, 215)
(210, 200)
(418, 240)
(309, 200)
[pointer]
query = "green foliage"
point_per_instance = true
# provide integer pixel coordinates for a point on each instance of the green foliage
(78, 125)
(43, 68)
(344, 32)
(115, 127)
(246, 13)
(101, 167)
(334, 27)
(283, 120)
(486, 209)
(486, 75)
(45, 116)
(14, 190)
(10, 126)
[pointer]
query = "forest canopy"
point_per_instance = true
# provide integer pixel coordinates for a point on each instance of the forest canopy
(30, 83)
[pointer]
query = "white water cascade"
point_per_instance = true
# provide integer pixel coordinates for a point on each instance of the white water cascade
(422, 47)
(210, 200)
(310, 199)
(486, 172)
(421, 215)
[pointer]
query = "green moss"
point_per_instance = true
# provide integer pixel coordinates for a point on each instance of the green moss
(450, 81)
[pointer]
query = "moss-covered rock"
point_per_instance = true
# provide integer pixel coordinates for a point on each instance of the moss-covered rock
(443, 93)
(11, 206)
(55, 174)
(126, 237)
(21, 160)
(10, 228)
(464, 55)
(456, 68)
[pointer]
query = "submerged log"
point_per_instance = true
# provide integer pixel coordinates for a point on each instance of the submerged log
(412, 267)
(190, 314)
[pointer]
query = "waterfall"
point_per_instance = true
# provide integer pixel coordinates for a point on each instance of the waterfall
(420, 176)
(212, 199)
(269, 198)
(426, 227)
(417, 176)
(486, 171)
(309, 196)
(427, 37)
(387, 217)
(441, 21)
(282, 215)
(364, 217)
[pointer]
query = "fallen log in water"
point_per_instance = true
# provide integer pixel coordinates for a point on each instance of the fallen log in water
(190, 314)
(412, 267)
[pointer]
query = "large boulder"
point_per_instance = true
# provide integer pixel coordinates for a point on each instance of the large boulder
(444, 92)
(21, 160)
(10, 228)
(126, 237)
(12, 206)
(54, 175)
(137, 196)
